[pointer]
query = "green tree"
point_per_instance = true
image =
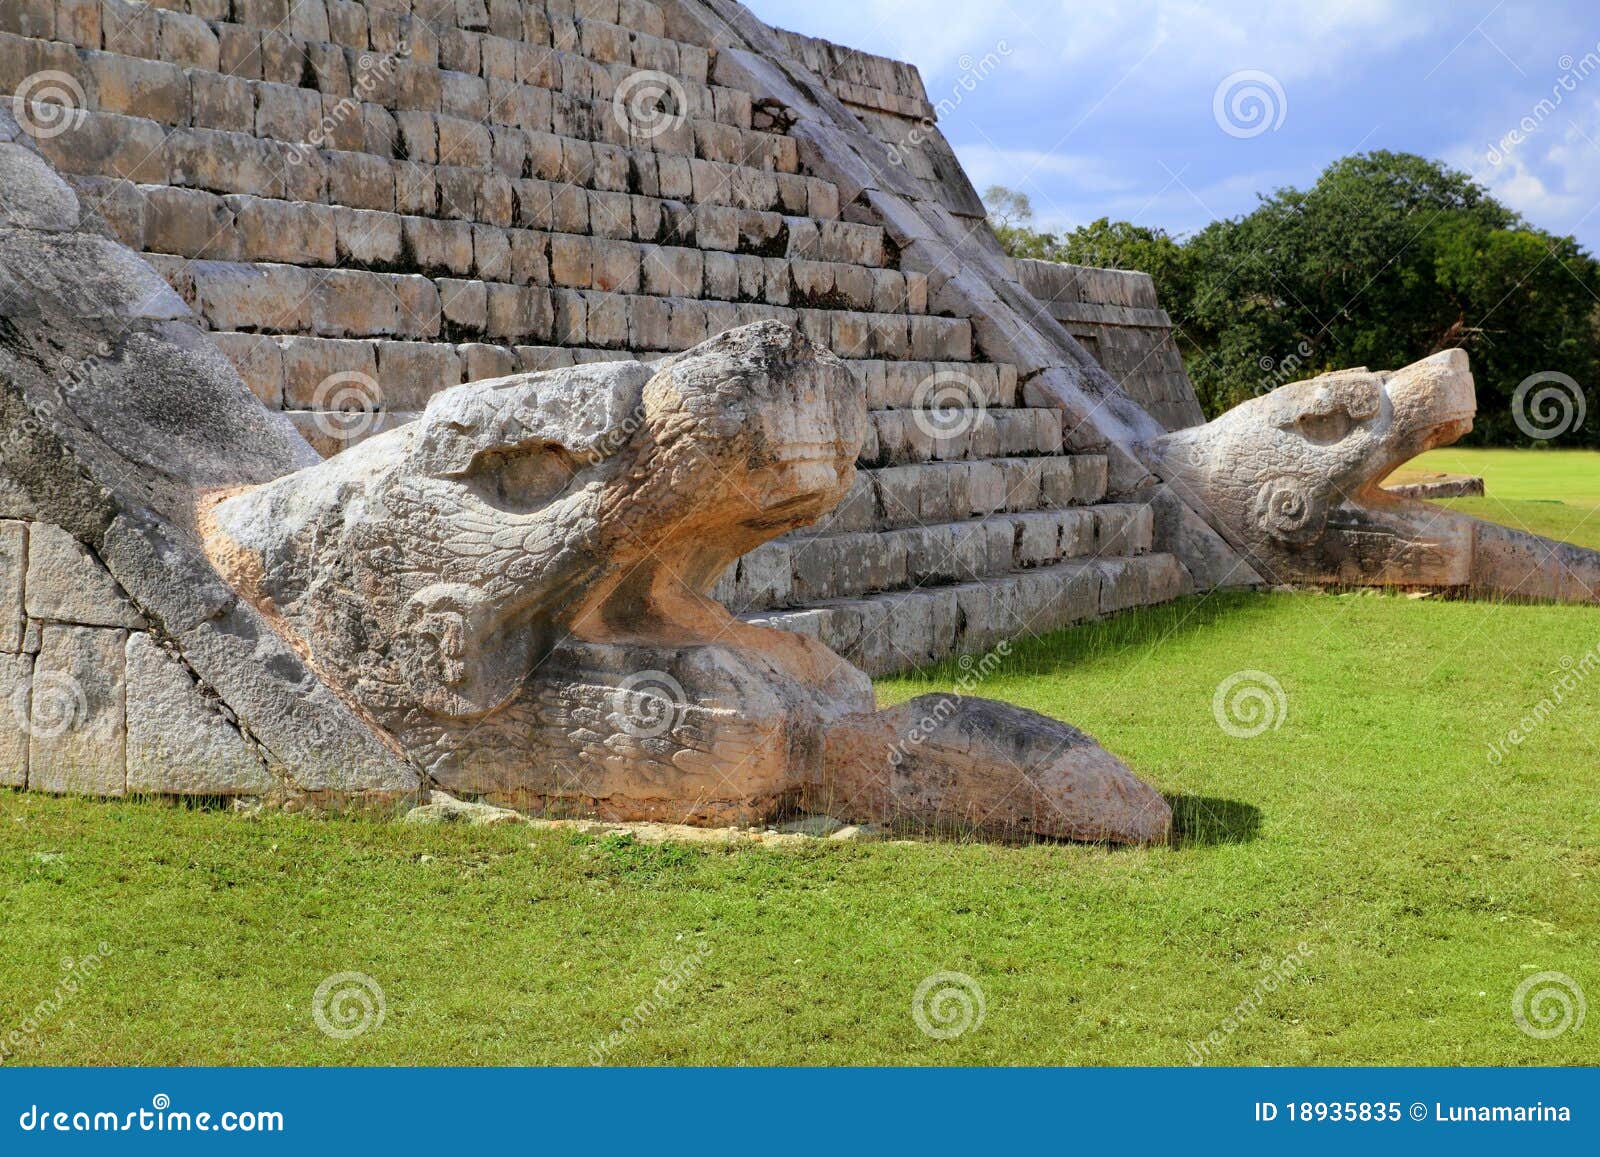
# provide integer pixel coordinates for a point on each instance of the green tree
(1011, 218)
(1387, 258)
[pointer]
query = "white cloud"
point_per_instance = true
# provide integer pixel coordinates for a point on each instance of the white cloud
(1072, 189)
(988, 165)
(1177, 41)
(1289, 38)
(1550, 175)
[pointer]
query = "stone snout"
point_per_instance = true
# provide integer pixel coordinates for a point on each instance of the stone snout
(1293, 480)
(433, 566)
(515, 589)
(1431, 403)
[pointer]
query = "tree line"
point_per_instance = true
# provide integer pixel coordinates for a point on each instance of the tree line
(1387, 258)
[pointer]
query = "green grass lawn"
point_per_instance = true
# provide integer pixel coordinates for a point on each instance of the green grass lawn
(1555, 493)
(1424, 881)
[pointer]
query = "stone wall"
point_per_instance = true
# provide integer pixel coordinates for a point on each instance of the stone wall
(1112, 312)
(889, 99)
(420, 196)
(94, 703)
(1115, 315)
(367, 202)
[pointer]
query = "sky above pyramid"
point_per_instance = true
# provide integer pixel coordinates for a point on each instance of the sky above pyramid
(1174, 114)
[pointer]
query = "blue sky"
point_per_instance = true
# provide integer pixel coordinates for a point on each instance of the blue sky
(1111, 107)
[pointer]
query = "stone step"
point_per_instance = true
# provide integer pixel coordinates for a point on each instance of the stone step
(799, 572)
(813, 265)
(896, 437)
(459, 71)
(899, 630)
(910, 385)
(273, 298)
(720, 210)
(924, 493)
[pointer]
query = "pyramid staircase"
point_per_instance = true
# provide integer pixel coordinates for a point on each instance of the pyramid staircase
(409, 197)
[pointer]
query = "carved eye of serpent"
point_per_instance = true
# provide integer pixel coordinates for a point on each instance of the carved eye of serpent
(1324, 428)
(1288, 509)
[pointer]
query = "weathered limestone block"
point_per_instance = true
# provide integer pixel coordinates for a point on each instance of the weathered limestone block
(1136, 582)
(43, 199)
(13, 564)
(259, 361)
(1073, 481)
(284, 231)
(1123, 529)
(316, 369)
(16, 682)
(65, 583)
(367, 238)
(77, 721)
(361, 181)
(250, 297)
(188, 223)
(179, 742)
(481, 360)
(187, 41)
(989, 488)
(154, 417)
(141, 88)
(411, 372)
(199, 158)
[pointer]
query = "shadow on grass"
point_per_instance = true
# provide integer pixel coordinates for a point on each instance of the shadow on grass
(1143, 628)
(1198, 820)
